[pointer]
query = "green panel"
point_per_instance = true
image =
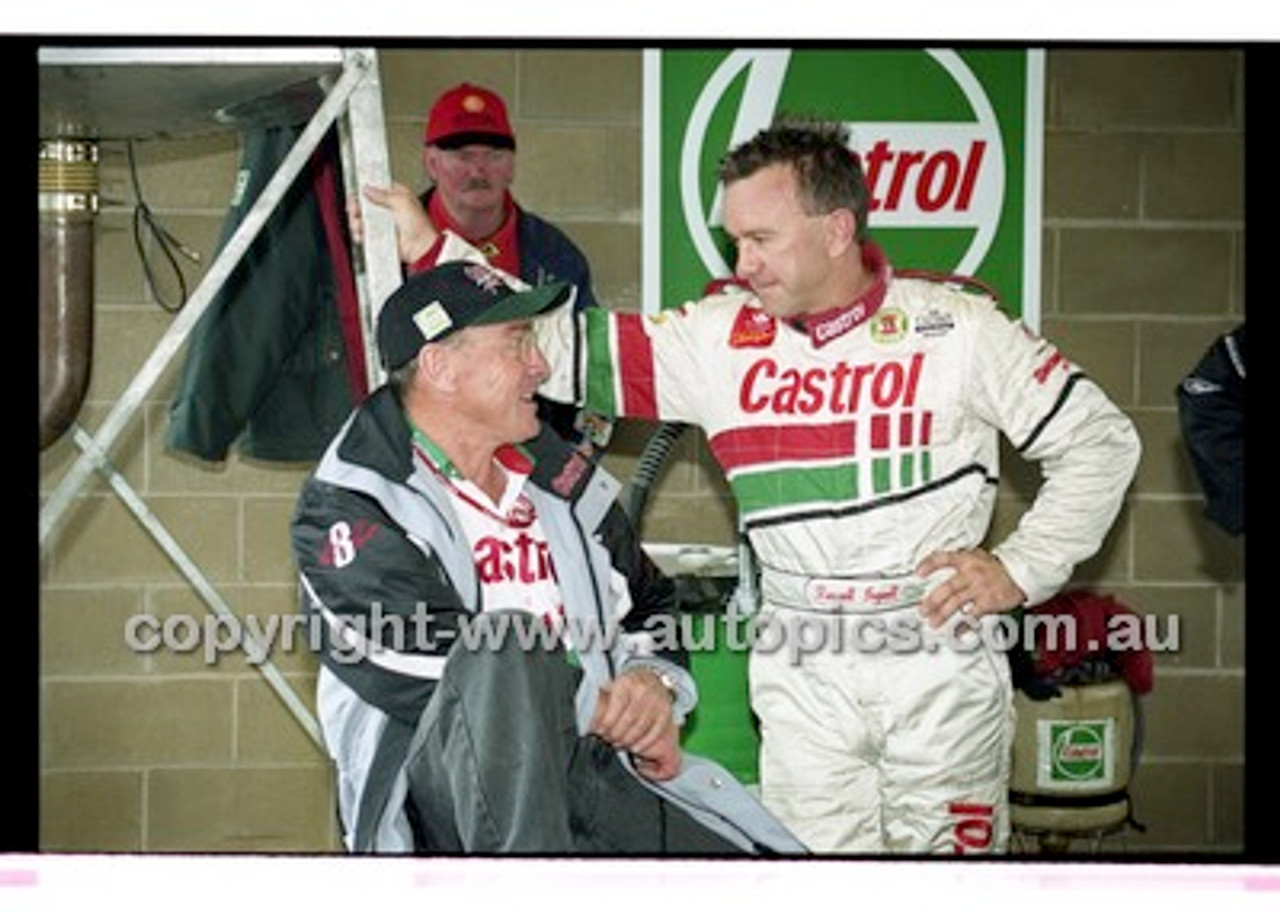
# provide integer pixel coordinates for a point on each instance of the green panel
(723, 727)
(857, 86)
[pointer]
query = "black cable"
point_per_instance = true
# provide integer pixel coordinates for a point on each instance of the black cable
(144, 218)
(650, 465)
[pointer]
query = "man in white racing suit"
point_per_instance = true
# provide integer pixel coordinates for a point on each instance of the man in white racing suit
(856, 414)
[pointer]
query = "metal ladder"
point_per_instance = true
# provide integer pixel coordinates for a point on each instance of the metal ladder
(353, 100)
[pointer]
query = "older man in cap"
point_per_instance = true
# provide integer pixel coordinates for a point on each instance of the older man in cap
(469, 155)
(487, 683)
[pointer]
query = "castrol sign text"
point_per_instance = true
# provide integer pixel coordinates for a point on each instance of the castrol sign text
(950, 144)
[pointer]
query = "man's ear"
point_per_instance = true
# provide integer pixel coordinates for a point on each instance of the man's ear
(430, 162)
(437, 367)
(841, 227)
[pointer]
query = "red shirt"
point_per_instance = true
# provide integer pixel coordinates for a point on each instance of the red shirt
(499, 248)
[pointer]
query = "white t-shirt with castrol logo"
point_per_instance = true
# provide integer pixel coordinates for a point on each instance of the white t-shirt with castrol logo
(512, 558)
(510, 549)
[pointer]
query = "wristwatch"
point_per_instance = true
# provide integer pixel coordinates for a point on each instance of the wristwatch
(681, 701)
(669, 682)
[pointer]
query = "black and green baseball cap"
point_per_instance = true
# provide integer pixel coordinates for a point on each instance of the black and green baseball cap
(433, 304)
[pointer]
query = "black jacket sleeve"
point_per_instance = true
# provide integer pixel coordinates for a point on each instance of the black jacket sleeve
(1211, 406)
(358, 566)
(653, 593)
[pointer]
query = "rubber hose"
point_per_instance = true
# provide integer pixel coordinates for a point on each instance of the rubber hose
(652, 459)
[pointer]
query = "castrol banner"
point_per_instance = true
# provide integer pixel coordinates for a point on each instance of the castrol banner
(950, 141)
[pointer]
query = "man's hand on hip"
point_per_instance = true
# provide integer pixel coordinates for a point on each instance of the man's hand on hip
(978, 585)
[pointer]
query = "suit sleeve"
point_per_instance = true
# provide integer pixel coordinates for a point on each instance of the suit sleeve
(1086, 447)
(648, 366)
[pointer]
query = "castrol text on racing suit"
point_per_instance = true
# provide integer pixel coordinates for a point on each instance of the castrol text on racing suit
(857, 415)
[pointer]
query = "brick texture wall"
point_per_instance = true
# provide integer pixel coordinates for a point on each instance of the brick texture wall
(1143, 267)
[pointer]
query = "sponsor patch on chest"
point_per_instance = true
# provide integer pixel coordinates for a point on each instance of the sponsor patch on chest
(753, 329)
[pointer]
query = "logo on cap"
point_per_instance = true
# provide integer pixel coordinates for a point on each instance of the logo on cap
(469, 114)
(432, 320)
(484, 277)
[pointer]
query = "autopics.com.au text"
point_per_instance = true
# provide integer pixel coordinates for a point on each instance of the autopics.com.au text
(796, 633)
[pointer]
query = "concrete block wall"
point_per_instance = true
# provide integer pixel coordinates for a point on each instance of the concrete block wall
(1143, 267)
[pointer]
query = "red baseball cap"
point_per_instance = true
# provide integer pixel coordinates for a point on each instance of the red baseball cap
(469, 115)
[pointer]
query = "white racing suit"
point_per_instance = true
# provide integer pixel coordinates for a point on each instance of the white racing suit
(854, 449)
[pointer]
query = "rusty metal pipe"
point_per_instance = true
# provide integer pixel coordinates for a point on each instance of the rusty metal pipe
(68, 195)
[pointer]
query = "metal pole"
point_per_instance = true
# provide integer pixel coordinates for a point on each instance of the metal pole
(197, 579)
(370, 161)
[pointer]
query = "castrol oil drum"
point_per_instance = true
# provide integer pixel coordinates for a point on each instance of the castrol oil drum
(1072, 759)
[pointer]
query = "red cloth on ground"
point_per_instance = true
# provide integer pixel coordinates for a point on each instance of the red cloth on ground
(1100, 628)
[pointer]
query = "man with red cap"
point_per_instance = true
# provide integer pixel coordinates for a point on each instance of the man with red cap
(469, 156)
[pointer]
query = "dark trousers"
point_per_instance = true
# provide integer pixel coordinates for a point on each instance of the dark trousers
(497, 766)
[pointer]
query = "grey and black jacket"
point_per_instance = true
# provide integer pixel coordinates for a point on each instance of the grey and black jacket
(376, 538)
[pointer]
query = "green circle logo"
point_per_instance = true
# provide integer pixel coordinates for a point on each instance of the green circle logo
(943, 168)
(950, 141)
(1079, 752)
